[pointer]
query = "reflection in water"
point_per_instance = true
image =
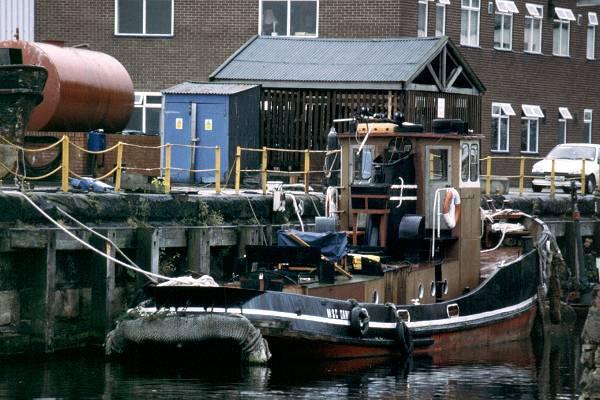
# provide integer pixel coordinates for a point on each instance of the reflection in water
(521, 370)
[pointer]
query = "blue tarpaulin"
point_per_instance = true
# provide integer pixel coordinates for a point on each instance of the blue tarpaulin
(332, 244)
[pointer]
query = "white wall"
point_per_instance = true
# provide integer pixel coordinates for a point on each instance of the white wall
(16, 14)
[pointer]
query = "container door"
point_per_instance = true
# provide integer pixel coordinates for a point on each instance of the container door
(438, 175)
(177, 129)
(211, 131)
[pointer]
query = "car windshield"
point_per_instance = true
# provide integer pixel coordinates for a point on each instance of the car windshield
(572, 153)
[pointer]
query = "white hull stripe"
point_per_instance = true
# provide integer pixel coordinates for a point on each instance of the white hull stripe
(467, 318)
(269, 313)
(344, 322)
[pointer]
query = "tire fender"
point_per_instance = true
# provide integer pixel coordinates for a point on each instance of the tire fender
(404, 337)
(359, 321)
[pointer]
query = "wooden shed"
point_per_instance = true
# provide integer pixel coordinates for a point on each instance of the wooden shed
(306, 83)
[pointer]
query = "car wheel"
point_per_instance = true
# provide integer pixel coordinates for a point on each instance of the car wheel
(536, 188)
(590, 184)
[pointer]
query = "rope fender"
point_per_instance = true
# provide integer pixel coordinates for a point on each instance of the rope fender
(190, 329)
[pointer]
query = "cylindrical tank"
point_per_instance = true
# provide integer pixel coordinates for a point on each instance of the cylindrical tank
(85, 89)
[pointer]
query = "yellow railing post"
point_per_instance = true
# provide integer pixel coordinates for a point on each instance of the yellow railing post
(306, 169)
(238, 160)
(488, 175)
(552, 188)
(119, 167)
(264, 170)
(521, 175)
(583, 176)
(65, 164)
(218, 169)
(168, 168)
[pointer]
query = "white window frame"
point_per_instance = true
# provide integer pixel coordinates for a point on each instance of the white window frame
(143, 33)
(140, 102)
(564, 16)
(565, 113)
(587, 122)
(533, 111)
(501, 45)
(472, 12)
(440, 18)
(506, 7)
(531, 148)
(590, 52)
(562, 135)
(502, 111)
(422, 19)
(289, 13)
(535, 14)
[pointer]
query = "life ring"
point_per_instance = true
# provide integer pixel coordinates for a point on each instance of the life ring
(359, 321)
(403, 337)
(451, 207)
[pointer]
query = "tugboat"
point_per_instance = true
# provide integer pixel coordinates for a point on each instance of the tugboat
(414, 264)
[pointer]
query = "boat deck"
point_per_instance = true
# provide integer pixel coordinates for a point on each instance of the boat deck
(493, 260)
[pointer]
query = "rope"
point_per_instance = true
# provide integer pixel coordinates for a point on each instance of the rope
(139, 146)
(32, 150)
(94, 152)
(152, 276)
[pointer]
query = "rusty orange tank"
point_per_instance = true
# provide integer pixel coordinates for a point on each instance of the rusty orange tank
(85, 89)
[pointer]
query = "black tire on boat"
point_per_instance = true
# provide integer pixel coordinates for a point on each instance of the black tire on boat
(359, 321)
(404, 338)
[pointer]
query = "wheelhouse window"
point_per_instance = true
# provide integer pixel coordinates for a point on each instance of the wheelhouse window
(144, 17)
(146, 113)
(591, 35)
(533, 28)
(503, 24)
(422, 19)
(501, 113)
(469, 22)
(562, 27)
(289, 17)
(440, 17)
(469, 163)
(530, 125)
(438, 165)
(587, 123)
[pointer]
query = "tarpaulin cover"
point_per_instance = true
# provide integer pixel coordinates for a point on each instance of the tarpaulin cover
(332, 244)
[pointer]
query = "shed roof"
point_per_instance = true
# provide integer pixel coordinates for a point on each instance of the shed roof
(337, 63)
(207, 88)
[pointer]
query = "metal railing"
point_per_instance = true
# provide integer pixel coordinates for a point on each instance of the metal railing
(522, 176)
(167, 169)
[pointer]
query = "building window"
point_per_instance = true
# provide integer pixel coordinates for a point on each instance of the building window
(422, 20)
(530, 124)
(587, 123)
(144, 17)
(289, 17)
(469, 22)
(503, 24)
(501, 112)
(440, 17)
(564, 116)
(591, 35)
(562, 26)
(146, 113)
(533, 28)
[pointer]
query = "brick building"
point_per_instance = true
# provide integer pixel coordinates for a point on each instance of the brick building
(538, 59)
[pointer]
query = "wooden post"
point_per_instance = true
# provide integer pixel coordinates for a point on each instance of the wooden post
(50, 293)
(521, 175)
(238, 160)
(148, 252)
(218, 169)
(247, 235)
(103, 285)
(583, 176)
(488, 174)
(552, 189)
(119, 166)
(168, 168)
(65, 164)
(306, 169)
(264, 170)
(198, 249)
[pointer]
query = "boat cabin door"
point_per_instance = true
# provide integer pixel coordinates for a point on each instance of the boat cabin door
(438, 174)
